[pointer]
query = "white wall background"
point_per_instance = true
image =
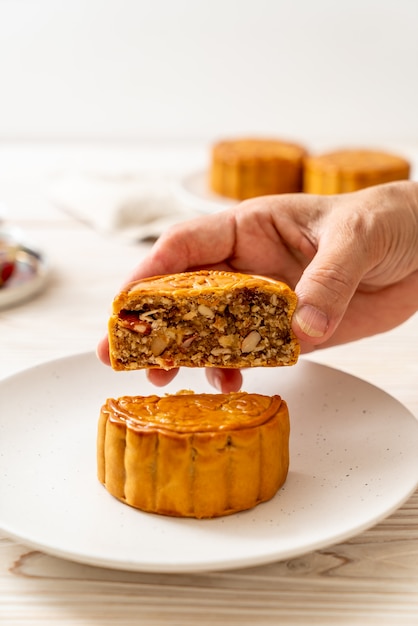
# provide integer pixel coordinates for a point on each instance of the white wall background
(129, 69)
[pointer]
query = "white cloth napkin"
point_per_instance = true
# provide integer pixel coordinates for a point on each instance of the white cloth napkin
(131, 207)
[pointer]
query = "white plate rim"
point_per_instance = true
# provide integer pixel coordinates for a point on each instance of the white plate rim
(192, 190)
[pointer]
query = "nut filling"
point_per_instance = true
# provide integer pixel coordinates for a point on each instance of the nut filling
(240, 327)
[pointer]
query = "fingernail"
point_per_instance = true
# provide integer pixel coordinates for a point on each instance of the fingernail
(312, 321)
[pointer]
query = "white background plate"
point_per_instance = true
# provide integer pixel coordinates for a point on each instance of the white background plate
(193, 190)
(353, 461)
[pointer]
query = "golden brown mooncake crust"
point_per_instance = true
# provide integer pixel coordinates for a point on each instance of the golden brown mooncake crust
(193, 455)
(249, 167)
(203, 319)
(343, 171)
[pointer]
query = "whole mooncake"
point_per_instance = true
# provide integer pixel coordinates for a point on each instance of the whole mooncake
(203, 319)
(193, 455)
(350, 170)
(249, 167)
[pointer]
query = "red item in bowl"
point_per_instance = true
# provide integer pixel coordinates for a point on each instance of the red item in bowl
(6, 270)
(8, 252)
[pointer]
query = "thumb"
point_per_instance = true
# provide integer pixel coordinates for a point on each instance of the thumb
(325, 289)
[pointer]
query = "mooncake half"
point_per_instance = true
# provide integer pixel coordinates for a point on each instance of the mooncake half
(248, 167)
(350, 170)
(193, 455)
(203, 319)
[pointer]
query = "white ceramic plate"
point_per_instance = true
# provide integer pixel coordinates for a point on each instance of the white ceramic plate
(353, 461)
(193, 190)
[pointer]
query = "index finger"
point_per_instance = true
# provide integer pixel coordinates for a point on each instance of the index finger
(204, 241)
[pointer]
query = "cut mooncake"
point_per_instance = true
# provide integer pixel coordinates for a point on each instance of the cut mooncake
(246, 168)
(193, 455)
(203, 319)
(349, 170)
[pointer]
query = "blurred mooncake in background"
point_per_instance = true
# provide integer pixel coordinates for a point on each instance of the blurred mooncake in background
(352, 169)
(246, 168)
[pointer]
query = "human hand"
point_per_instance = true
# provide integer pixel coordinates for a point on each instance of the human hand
(352, 260)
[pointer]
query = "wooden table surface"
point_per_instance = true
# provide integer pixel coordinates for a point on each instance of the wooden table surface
(372, 579)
